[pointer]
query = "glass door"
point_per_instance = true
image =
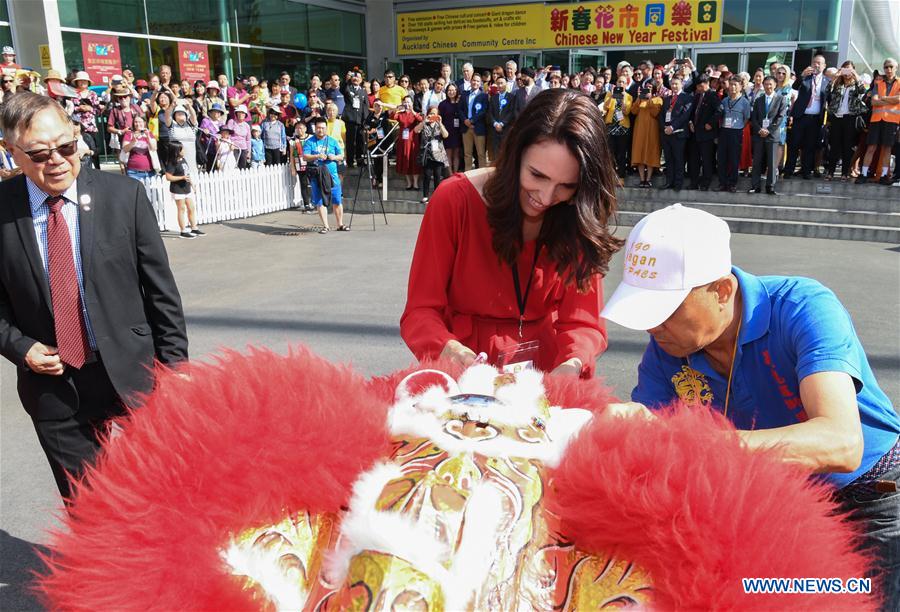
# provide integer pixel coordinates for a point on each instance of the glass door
(532, 59)
(730, 57)
(581, 60)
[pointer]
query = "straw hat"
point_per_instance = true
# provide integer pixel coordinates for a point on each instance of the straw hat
(81, 75)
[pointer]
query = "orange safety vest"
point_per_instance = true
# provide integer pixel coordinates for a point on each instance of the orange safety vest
(891, 112)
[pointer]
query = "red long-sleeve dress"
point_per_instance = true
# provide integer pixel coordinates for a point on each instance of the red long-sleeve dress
(459, 289)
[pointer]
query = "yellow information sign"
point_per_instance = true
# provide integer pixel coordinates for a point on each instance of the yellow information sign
(614, 23)
(46, 64)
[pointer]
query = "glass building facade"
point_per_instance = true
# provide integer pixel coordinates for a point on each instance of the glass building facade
(5, 30)
(261, 37)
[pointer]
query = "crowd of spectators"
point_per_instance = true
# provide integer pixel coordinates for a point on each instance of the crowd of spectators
(774, 124)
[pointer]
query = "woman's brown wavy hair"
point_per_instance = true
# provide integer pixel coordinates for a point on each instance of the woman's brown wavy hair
(576, 233)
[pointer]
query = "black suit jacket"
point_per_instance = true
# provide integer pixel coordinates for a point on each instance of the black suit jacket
(523, 98)
(504, 113)
(706, 112)
(130, 293)
(804, 89)
(681, 114)
(479, 112)
(777, 111)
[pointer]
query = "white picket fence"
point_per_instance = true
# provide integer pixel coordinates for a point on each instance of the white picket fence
(232, 194)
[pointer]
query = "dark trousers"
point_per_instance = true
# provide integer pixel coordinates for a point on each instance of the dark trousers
(878, 515)
(356, 143)
(92, 140)
(701, 156)
(430, 169)
(842, 138)
(764, 156)
(71, 443)
(273, 157)
(305, 190)
(162, 152)
(804, 135)
(496, 141)
(620, 148)
(673, 148)
(730, 141)
(242, 157)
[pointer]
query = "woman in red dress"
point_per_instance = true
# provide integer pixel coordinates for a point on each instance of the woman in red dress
(408, 143)
(509, 259)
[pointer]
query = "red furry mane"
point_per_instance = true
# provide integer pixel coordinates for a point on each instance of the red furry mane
(219, 448)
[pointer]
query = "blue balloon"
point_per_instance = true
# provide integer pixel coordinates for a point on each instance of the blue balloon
(300, 101)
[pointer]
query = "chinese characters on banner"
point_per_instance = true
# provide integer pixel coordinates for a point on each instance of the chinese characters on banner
(193, 61)
(101, 57)
(586, 24)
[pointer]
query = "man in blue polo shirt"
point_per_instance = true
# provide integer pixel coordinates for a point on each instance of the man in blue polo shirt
(777, 355)
(324, 153)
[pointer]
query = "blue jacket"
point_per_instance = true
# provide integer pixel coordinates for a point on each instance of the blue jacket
(479, 112)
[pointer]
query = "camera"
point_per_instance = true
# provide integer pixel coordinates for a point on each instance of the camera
(617, 91)
(645, 91)
(680, 61)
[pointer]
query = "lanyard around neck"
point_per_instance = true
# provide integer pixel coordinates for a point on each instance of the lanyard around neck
(522, 300)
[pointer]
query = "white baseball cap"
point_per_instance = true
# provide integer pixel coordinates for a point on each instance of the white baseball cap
(668, 253)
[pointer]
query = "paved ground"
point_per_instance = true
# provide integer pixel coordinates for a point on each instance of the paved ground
(272, 281)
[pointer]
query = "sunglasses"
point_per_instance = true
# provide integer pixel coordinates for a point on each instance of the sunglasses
(41, 155)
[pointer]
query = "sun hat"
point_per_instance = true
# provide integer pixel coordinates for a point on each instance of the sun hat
(81, 75)
(213, 85)
(241, 109)
(179, 109)
(217, 107)
(668, 253)
(53, 75)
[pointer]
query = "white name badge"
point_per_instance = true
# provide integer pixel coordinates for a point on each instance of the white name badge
(619, 115)
(379, 132)
(406, 134)
(456, 122)
(766, 124)
(356, 103)
(668, 116)
(729, 122)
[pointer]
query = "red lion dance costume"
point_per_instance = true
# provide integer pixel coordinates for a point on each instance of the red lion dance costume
(269, 482)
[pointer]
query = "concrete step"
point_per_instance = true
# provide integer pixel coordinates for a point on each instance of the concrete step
(763, 208)
(882, 199)
(833, 231)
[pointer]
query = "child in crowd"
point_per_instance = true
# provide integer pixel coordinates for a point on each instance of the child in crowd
(225, 159)
(178, 173)
(299, 165)
(257, 147)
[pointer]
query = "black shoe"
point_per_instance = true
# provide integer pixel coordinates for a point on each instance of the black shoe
(667, 186)
(720, 188)
(885, 180)
(817, 174)
(732, 189)
(771, 191)
(692, 187)
(187, 234)
(754, 190)
(676, 187)
(806, 177)
(198, 232)
(861, 180)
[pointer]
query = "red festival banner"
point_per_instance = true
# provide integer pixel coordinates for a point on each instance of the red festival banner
(101, 57)
(193, 61)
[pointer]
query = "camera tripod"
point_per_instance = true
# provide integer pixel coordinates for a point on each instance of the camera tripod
(381, 150)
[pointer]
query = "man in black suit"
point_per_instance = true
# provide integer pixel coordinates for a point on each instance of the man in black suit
(356, 109)
(765, 125)
(673, 121)
(87, 299)
(527, 92)
(704, 127)
(501, 113)
(807, 117)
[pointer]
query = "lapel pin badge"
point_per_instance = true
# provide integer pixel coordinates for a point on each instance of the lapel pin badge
(85, 200)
